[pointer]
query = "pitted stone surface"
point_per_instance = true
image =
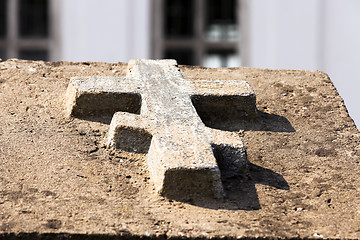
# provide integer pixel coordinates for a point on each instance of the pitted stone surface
(158, 114)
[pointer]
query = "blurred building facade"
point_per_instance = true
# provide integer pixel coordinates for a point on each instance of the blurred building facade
(298, 34)
(201, 32)
(195, 32)
(24, 29)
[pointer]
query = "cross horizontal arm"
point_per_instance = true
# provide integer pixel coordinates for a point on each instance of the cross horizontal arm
(87, 96)
(220, 87)
(216, 100)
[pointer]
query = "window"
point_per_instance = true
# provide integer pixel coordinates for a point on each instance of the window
(221, 59)
(183, 56)
(33, 54)
(197, 32)
(2, 54)
(33, 18)
(24, 29)
(2, 19)
(179, 18)
(221, 24)
(2, 28)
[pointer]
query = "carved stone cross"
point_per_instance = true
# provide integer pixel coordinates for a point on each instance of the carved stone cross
(158, 113)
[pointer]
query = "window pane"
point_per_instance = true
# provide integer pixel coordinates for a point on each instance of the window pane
(34, 55)
(33, 18)
(2, 54)
(212, 61)
(221, 20)
(179, 18)
(182, 56)
(221, 59)
(2, 18)
(233, 60)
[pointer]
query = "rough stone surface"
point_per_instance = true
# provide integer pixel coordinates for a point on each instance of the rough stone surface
(58, 181)
(168, 128)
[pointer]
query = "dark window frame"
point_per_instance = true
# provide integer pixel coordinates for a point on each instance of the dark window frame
(33, 19)
(198, 42)
(3, 21)
(14, 42)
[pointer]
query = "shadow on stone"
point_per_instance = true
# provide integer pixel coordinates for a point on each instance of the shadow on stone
(105, 103)
(217, 109)
(132, 139)
(188, 182)
(101, 119)
(240, 189)
(263, 122)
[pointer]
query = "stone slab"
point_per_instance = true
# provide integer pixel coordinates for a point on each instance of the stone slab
(58, 181)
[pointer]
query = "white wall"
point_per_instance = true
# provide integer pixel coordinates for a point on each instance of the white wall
(312, 35)
(283, 34)
(104, 30)
(342, 51)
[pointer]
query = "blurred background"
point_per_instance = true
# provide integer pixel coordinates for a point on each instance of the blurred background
(277, 34)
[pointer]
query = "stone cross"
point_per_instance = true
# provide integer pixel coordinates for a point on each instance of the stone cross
(160, 113)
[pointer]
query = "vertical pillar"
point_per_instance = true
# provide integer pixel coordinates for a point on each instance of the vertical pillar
(199, 31)
(157, 29)
(54, 30)
(12, 28)
(243, 27)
